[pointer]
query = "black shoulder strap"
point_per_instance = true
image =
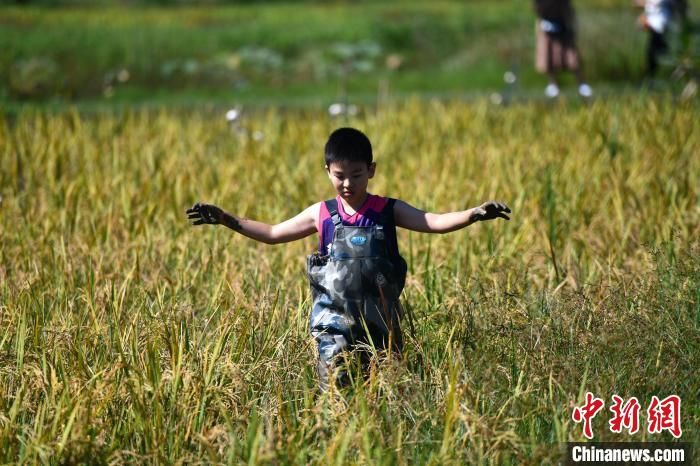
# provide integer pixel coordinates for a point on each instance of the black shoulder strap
(332, 206)
(388, 214)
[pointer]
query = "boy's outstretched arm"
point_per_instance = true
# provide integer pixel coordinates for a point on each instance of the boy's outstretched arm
(407, 216)
(297, 227)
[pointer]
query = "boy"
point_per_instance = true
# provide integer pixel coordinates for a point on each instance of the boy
(357, 274)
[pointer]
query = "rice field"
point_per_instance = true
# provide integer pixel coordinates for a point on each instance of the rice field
(128, 336)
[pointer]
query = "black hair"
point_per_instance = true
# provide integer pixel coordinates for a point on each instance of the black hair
(348, 144)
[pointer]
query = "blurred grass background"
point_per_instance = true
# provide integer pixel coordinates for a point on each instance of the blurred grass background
(277, 52)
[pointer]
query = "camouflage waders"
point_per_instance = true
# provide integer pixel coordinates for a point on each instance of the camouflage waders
(355, 290)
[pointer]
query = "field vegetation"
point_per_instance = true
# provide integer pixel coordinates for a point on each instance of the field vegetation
(313, 51)
(127, 336)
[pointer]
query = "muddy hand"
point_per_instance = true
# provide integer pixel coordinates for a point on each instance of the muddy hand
(490, 210)
(201, 214)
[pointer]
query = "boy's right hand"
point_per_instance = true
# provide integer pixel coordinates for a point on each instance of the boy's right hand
(201, 214)
(490, 210)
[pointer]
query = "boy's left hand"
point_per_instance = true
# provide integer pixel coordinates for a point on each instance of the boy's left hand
(490, 210)
(208, 214)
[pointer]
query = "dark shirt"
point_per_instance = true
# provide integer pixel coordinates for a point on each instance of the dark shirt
(554, 10)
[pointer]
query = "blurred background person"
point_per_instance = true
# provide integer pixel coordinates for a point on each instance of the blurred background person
(656, 19)
(556, 45)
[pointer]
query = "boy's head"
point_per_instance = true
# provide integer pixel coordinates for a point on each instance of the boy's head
(349, 164)
(348, 145)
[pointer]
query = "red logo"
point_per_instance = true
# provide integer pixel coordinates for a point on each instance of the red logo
(587, 412)
(665, 415)
(624, 416)
(662, 415)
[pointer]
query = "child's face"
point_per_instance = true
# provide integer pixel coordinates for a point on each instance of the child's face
(350, 179)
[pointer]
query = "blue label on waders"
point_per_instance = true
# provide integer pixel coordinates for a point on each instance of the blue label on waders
(358, 240)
